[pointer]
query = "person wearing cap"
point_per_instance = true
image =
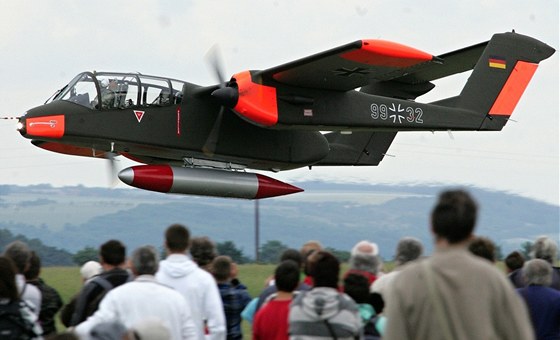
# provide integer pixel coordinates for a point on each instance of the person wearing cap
(112, 255)
(89, 270)
(144, 298)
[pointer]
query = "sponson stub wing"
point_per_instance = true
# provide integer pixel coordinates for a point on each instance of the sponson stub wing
(357, 148)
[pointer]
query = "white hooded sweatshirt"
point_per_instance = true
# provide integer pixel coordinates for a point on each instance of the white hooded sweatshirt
(199, 289)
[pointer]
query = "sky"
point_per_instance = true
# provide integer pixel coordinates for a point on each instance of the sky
(44, 44)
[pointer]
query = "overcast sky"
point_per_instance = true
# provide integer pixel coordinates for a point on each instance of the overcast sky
(44, 44)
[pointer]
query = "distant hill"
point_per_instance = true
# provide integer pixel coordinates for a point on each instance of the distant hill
(338, 215)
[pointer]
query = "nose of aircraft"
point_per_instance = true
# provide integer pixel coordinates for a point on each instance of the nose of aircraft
(20, 126)
(44, 126)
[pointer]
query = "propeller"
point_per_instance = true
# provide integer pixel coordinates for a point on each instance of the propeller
(110, 157)
(225, 94)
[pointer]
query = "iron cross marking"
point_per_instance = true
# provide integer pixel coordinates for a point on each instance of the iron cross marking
(344, 72)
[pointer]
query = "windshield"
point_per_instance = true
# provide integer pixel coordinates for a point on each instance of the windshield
(103, 91)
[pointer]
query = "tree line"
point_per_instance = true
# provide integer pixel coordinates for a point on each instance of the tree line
(269, 252)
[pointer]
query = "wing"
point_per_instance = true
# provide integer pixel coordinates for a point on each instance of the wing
(357, 148)
(365, 61)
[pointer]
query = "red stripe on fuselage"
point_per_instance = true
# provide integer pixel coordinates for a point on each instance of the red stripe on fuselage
(70, 149)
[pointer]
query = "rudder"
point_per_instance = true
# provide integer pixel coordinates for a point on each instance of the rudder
(500, 77)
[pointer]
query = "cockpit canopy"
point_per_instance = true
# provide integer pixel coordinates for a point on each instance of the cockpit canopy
(105, 91)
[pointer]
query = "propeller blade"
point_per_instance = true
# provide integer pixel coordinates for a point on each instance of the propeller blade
(214, 59)
(209, 147)
(113, 178)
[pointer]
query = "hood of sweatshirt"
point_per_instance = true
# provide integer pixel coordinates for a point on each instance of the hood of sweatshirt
(321, 303)
(177, 265)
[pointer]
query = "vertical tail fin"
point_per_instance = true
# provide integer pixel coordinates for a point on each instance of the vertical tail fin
(500, 77)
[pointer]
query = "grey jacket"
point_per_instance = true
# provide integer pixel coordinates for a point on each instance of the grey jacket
(324, 313)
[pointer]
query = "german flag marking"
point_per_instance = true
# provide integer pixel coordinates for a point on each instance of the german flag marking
(497, 62)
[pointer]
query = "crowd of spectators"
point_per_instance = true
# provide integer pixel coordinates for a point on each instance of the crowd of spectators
(458, 292)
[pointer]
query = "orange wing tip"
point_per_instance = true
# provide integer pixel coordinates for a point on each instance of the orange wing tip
(387, 53)
(46, 126)
(257, 103)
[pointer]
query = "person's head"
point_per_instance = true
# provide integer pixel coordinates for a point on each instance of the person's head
(8, 287)
(408, 249)
(365, 262)
(537, 272)
(113, 84)
(113, 253)
(483, 247)
(20, 254)
(324, 268)
(144, 261)
(90, 269)
(221, 268)
(454, 216)
(292, 254)
(357, 287)
(34, 269)
(203, 251)
(286, 276)
(514, 261)
(364, 256)
(365, 247)
(177, 238)
(308, 247)
(546, 249)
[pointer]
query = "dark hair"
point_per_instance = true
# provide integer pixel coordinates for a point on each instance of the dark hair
(454, 216)
(357, 287)
(292, 254)
(177, 238)
(376, 300)
(286, 276)
(203, 250)
(483, 247)
(8, 287)
(221, 268)
(145, 261)
(514, 260)
(34, 267)
(324, 268)
(19, 253)
(112, 252)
